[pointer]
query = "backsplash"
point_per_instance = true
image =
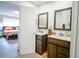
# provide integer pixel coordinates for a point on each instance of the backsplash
(42, 30)
(63, 33)
(57, 32)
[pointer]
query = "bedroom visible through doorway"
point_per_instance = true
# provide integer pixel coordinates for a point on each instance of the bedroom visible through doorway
(9, 29)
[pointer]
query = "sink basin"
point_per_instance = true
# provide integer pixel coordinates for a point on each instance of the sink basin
(60, 37)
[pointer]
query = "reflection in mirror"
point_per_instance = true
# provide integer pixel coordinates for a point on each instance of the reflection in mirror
(63, 19)
(43, 20)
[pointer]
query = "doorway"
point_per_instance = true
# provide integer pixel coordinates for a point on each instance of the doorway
(9, 29)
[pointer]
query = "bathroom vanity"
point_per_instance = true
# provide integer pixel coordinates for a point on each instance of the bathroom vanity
(41, 43)
(58, 47)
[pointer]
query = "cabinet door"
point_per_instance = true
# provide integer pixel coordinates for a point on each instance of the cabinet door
(64, 51)
(62, 56)
(52, 51)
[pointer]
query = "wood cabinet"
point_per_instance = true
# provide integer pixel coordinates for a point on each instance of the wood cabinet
(52, 50)
(41, 44)
(58, 48)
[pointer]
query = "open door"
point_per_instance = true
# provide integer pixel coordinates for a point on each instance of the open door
(27, 29)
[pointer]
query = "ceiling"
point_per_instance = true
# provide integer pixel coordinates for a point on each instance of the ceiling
(39, 3)
(11, 8)
(29, 3)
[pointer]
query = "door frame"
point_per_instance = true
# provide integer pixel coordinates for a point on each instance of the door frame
(74, 30)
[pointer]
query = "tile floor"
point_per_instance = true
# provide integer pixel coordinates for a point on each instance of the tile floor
(34, 55)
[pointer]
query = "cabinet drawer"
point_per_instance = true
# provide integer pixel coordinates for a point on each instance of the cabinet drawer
(59, 42)
(62, 56)
(39, 42)
(39, 37)
(39, 49)
(64, 51)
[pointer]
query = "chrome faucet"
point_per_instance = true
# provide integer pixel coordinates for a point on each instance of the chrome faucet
(40, 31)
(68, 34)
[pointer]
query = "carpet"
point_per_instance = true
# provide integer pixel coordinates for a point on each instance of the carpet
(12, 41)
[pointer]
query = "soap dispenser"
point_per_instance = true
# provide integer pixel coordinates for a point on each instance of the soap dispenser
(50, 30)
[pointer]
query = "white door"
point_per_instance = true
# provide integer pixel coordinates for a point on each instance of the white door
(27, 29)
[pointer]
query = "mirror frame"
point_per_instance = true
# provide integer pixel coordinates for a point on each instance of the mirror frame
(70, 8)
(46, 27)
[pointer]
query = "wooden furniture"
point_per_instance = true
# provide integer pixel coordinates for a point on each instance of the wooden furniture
(58, 48)
(10, 32)
(41, 43)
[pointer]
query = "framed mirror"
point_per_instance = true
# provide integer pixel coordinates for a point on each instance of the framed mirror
(62, 20)
(43, 20)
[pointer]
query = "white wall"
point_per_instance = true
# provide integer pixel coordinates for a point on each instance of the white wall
(73, 47)
(27, 29)
(75, 40)
(51, 7)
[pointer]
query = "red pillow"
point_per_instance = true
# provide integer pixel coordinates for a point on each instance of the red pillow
(8, 28)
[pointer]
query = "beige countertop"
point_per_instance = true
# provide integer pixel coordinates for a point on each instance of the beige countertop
(60, 37)
(38, 33)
